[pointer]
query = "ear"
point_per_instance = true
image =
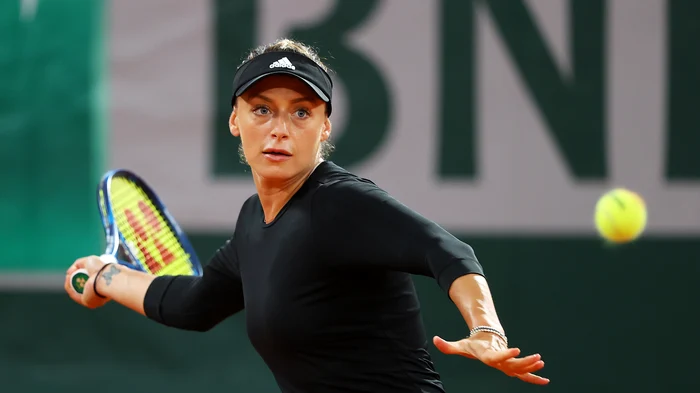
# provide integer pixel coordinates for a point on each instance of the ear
(233, 123)
(326, 131)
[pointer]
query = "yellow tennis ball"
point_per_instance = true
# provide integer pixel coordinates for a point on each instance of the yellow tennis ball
(620, 215)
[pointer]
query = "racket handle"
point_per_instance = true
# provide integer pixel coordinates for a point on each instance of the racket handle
(80, 277)
(78, 280)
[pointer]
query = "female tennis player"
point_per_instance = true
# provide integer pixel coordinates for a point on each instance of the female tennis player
(320, 258)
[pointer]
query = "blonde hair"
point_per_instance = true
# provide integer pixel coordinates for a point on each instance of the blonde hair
(290, 45)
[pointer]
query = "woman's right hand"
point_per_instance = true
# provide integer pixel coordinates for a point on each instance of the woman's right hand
(88, 298)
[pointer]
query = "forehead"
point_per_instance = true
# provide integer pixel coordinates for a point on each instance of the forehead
(280, 84)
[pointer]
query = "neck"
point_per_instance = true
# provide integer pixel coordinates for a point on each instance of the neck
(274, 194)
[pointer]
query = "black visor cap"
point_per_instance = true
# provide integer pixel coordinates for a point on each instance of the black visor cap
(283, 62)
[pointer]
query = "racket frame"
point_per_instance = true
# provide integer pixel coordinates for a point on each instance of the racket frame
(116, 244)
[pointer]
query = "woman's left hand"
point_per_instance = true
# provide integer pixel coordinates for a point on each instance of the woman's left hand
(493, 351)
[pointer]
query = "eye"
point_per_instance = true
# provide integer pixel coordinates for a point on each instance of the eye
(261, 110)
(302, 113)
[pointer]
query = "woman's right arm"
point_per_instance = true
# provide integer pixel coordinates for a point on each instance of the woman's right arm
(125, 286)
(183, 302)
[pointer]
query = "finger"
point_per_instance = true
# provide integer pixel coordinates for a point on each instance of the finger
(495, 357)
(453, 347)
(78, 264)
(72, 268)
(89, 292)
(512, 371)
(521, 363)
(447, 347)
(93, 264)
(539, 365)
(532, 378)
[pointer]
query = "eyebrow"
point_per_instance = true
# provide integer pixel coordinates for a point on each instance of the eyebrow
(294, 101)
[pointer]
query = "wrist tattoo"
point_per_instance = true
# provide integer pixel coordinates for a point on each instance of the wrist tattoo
(112, 271)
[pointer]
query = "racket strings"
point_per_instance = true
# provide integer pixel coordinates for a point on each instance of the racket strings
(146, 230)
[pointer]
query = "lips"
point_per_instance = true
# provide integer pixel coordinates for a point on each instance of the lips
(277, 152)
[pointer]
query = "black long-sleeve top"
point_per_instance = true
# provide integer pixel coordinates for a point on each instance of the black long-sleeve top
(330, 303)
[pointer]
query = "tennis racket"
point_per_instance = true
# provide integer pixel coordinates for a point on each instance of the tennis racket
(140, 233)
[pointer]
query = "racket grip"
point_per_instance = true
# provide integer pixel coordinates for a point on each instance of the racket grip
(78, 280)
(80, 277)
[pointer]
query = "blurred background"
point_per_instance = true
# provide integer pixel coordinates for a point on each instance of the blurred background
(502, 120)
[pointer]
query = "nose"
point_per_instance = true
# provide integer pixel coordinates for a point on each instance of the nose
(281, 129)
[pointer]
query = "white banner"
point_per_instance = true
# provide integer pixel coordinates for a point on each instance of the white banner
(161, 65)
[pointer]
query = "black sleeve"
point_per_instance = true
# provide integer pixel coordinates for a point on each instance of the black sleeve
(359, 224)
(198, 303)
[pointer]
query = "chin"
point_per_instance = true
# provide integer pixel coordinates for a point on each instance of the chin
(274, 171)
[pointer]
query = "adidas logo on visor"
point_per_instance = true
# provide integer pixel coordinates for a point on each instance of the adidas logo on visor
(283, 63)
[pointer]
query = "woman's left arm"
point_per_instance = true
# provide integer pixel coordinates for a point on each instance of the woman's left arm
(361, 225)
(487, 341)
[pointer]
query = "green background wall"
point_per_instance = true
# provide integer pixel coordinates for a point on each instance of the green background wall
(51, 130)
